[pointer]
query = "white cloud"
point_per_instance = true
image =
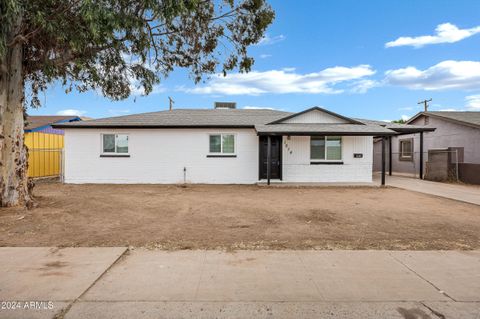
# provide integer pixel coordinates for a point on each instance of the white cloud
(472, 102)
(283, 81)
(363, 86)
(268, 40)
(444, 33)
(71, 112)
(264, 56)
(460, 75)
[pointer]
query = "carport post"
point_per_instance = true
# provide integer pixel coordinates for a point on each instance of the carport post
(269, 158)
(383, 160)
(421, 156)
(390, 155)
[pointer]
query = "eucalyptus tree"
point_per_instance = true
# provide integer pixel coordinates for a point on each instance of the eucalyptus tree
(108, 45)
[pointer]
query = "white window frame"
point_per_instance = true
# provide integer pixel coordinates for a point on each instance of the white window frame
(221, 144)
(114, 153)
(325, 156)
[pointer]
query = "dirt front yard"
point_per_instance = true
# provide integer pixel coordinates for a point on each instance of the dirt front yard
(240, 217)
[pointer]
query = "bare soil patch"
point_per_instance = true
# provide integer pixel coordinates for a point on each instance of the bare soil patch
(240, 217)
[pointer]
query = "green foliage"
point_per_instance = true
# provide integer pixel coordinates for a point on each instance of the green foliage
(107, 45)
(9, 9)
(400, 121)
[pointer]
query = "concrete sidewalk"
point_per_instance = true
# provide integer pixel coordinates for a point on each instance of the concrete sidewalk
(52, 277)
(463, 193)
(109, 283)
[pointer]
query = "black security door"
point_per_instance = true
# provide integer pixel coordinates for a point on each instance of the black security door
(276, 157)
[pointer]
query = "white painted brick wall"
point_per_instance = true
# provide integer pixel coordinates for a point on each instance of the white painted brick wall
(159, 156)
(297, 167)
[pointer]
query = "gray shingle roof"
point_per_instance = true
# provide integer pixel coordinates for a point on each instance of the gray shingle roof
(187, 118)
(319, 129)
(471, 118)
(241, 118)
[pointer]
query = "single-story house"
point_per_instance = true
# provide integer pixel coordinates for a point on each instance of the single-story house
(454, 145)
(45, 144)
(223, 145)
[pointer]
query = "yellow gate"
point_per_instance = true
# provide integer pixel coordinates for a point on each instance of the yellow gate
(44, 154)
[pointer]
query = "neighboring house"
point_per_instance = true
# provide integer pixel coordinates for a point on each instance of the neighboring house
(456, 134)
(222, 146)
(45, 144)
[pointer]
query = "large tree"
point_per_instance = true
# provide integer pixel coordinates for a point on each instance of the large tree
(108, 45)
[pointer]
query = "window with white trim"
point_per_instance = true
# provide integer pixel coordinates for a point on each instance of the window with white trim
(114, 144)
(222, 144)
(325, 148)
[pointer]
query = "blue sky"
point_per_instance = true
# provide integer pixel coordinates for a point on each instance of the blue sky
(369, 59)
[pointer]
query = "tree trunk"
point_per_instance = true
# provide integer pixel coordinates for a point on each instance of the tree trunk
(14, 188)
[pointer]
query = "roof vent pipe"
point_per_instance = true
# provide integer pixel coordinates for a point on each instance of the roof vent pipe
(225, 105)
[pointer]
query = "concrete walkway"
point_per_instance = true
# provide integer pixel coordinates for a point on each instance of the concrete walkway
(115, 283)
(464, 193)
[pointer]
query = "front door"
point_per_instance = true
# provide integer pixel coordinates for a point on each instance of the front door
(276, 157)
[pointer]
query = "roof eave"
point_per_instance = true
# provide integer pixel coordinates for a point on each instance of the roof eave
(330, 133)
(449, 119)
(408, 130)
(413, 118)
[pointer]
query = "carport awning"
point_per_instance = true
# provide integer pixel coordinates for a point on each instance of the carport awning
(312, 129)
(411, 130)
(399, 128)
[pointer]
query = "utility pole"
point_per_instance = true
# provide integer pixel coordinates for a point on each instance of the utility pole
(425, 104)
(171, 102)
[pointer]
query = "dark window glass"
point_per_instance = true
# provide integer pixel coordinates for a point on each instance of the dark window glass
(317, 148)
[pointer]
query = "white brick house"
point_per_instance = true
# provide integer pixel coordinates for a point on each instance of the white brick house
(221, 146)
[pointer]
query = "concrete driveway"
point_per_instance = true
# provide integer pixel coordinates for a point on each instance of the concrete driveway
(464, 193)
(116, 283)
